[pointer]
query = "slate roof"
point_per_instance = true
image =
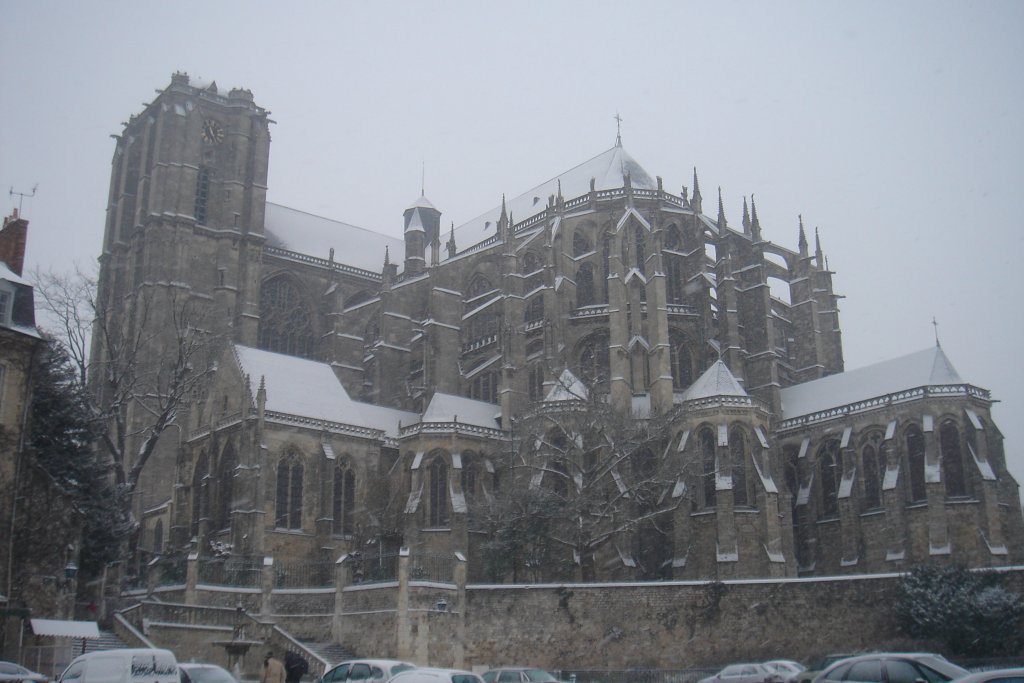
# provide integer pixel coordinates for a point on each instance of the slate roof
(716, 381)
(930, 367)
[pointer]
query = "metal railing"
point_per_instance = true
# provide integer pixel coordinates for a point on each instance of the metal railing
(432, 567)
(303, 574)
(237, 573)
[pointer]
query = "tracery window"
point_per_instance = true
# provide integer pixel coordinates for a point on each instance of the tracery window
(672, 240)
(226, 482)
(594, 367)
(738, 451)
(484, 387)
(478, 285)
(585, 285)
(202, 194)
(438, 475)
(158, 536)
(830, 469)
(535, 381)
(468, 475)
(580, 243)
(915, 462)
(874, 472)
(288, 513)
(680, 361)
(640, 247)
(343, 505)
(533, 268)
(534, 310)
(707, 453)
(673, 279)
(952, 459)
(285, 321)
(606, 259)
(200, 492)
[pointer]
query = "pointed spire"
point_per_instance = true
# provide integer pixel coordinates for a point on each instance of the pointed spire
(722, 225)
(618, 130)
(817, 248)
(504, 212)
(755, 225)
(387, 255)
(559, 195)
(695, 200)
(451, 242)
(802, 240)
(746, 217)
(935, 324)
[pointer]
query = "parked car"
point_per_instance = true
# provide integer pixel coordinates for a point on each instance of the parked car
(815, 668)
(365, 670)
(892, 667)
(128, 665)
(436, 676)
(744, 673)
(518, 674)
(994, 676)
(16, 673)
(204, 673)
(786, 668)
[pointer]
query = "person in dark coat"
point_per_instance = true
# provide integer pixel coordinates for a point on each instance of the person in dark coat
(295, 667)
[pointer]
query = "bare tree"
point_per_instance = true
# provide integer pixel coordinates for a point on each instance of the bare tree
(613, 480)
(138, 363)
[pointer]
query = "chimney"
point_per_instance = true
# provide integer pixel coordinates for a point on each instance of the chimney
(12, 242)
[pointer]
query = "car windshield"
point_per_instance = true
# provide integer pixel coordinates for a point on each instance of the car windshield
(209, 674)
(539, 676)
(399, 668)
(11, 668)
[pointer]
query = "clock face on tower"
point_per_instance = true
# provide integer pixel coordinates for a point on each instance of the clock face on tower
(213, 132)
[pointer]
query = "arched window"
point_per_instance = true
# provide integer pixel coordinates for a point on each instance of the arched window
(559, 477)
(357, 298)
(535, 381)
(200, 493)
(369, 379)
(830, 470)
(533, 269)
(640, 247)
(915, 463)
(673, 279)
(438, 492)
(478, 286)
(226, 484)
(707, 454)
(672, 239)
(680, 360)
(738, 451)
(874, 471)
(481, 326)
(468, 475)
(534, 310)
(585, 285)
(484, 387)
(344, 503)
(285, 322)
(158, 536)
(202, 194)
(580, 243)
(288, 513)
(952, 459)
(606, 259)
(594, 361)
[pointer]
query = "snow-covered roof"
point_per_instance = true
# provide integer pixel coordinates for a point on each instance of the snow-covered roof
(716, 381)
(299, 386)
(7, 274)
(422, 202)
(923, 368)
(568, 388)
(607, 170)
(386, 419)
(448, 408)
(65, 629)
(315, 236)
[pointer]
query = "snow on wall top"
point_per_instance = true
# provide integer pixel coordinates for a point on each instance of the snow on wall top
(315, 236)
(607, 170)
(7, 274)
(299, 386)
(422, 202)
(386, 419)
(568, 388)
(446, 408)
(923, 368)
(716, 381)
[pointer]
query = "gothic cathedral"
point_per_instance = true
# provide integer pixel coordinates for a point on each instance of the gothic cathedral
(659, 392)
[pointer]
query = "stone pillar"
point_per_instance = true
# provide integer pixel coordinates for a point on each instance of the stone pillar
(267, 586)
(191, 578)
(938, 526)
(404, 625)
(340, 582)
(458, 650)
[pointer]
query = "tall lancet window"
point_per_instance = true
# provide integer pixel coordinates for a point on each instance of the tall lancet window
(288, 513)
(285, 321)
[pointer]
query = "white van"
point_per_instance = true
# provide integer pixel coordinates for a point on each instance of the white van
(129, 665)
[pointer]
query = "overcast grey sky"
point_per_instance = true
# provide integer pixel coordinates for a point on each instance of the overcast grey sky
(896, 127)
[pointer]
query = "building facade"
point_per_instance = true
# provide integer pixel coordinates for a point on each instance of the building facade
(599, 345)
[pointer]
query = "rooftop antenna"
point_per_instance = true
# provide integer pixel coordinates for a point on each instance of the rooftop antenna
(935, 324)
(21, 195)
(423, 178)
(618, 130)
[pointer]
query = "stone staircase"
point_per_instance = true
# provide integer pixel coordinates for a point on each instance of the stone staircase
(108, 640)
(331, 652)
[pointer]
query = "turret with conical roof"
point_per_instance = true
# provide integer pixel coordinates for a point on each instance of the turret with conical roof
(422, 228)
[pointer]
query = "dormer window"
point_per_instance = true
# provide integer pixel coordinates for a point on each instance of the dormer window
(6, 303)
